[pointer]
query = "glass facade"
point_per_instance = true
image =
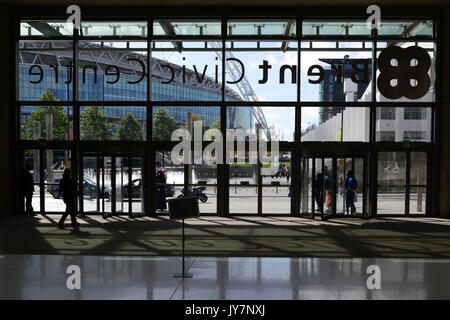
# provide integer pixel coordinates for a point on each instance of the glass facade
(316, 86)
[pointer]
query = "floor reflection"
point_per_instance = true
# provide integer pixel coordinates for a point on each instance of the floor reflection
(44, 277)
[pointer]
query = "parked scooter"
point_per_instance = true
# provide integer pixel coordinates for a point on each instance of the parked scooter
(196, 192)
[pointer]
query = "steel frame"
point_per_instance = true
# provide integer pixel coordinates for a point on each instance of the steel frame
(297, 147)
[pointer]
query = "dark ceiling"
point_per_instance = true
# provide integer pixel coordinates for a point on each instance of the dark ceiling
(277, 3)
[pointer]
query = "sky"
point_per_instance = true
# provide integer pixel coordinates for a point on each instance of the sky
(282, 118)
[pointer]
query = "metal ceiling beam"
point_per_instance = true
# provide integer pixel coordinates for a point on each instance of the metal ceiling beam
(44, 28)
(289, 31)
(170, 31)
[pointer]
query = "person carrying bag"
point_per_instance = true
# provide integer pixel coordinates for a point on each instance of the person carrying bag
(351, 186)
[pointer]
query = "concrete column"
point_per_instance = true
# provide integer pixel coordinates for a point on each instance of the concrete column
(188, 168)
(8, 195)
(444, 170)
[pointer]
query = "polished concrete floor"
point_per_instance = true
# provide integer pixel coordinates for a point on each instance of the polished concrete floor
(247, 236)
(218, 278)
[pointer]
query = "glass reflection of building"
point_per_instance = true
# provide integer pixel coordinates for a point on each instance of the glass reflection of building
(393, 124)
(332, 90)
(95, 87)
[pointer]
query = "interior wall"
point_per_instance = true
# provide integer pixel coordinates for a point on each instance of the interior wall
(444, 172)
(6, 160)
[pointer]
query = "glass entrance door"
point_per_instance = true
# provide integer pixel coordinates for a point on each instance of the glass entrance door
(332, 186)
(350, 202)
(112, 185)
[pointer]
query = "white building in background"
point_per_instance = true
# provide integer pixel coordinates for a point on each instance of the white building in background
(392, 124)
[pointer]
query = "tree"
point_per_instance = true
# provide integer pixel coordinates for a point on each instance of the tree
(60, 121)
(215, 125)
(196, 117)
(130, 129)
(94, 125)
(163, 125)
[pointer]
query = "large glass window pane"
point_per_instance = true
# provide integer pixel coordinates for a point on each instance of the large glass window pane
(406, 72)
(187, 71)
(262, 27)
(243, 185)
(92, 184)
(114, 28)
(186, 27)
(335, 124)
(391, 182)
(45, 71)
(335, 28)
(45, 28)
(276, 187)
(391, 200)
(406, 28)
(113, 123)
(49, 123)
(112, 71)
(169, 180)
(268, 75)
(137, 185)
(403, 124)
(55, 161)
(276, 123)
(204, 186)
(392, 168)
(167, 119)
(241, 118)
(306, 185)
(106, 181)
(334, 75)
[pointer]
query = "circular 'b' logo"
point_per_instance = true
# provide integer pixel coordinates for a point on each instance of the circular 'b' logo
(408, 76)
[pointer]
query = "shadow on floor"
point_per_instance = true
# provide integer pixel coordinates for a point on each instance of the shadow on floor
(235, 236)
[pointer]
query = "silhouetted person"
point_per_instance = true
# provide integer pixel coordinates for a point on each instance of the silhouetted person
(28, 189)
(328, 189)
(351, 184)
(67, 188)
(160, 190)
(318, 190)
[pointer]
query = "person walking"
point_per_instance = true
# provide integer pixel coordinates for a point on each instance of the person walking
(318, 190)
(328, 189)
(67, 188)
(351, 184)
(161, 190)
(28, 189)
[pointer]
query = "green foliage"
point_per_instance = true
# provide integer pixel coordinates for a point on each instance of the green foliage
(130, 129)
(196, 117)
(60, 124)
(94, 125)
(215, 125)
(163, 125)
(48, 96)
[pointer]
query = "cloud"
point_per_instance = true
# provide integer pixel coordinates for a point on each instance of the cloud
(290, 58)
